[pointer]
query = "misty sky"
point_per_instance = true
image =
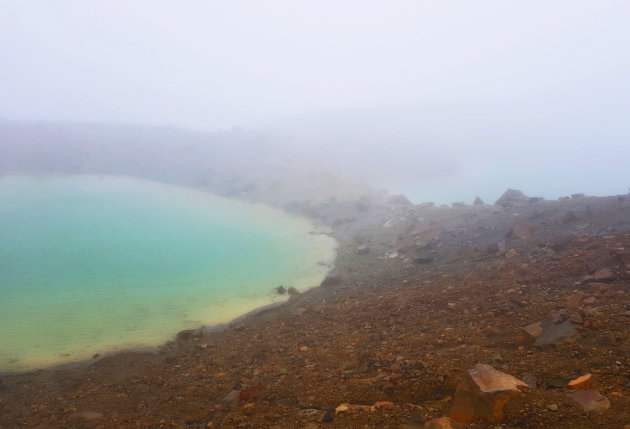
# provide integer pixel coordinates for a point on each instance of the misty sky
(539, 75)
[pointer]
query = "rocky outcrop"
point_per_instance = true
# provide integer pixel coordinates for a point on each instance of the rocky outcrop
(510, 198)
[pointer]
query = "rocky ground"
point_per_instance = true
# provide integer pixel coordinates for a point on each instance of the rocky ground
(422, 318)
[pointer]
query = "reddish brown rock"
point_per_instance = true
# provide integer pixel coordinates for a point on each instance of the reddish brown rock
(232, 399)
(576, 318)
(252, 392)
(85, 415)
(600, 289)
(531, 332)
(590, 400)
(511, 254)
(441, 423)
(383, 404)
(522, 230)
(575, 300)
(604, 274)
(566, 219)
(581, 383)
(483, 395)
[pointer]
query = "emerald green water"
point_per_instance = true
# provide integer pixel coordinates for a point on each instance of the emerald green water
(98, 264)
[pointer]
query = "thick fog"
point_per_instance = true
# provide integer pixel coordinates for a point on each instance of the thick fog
(441, 100)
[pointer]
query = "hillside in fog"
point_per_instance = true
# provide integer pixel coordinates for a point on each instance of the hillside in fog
(231, 163)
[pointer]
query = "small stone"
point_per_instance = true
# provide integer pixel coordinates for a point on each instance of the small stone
(384, 404)
(441, 423)
(329, 415)
(303, 348)
(85, 415)
(523, 229)
(552, 407)
(581, 383)
(575, 300)
(342, 408)
(530, 379)
(604, 274)
(576, 318)
(533, 331)
(232, 399)
(597, 324)
(600, 289)
(363, 250)
(605, 340)
(299, 311)
(497, 357)
(590, 300)
(511, 254)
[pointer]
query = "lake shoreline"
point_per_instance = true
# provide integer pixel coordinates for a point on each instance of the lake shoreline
(293, 232)
(418, 295)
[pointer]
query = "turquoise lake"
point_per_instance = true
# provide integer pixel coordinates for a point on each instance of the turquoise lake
(93, 264)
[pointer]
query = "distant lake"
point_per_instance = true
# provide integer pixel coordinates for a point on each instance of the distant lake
(94, 264)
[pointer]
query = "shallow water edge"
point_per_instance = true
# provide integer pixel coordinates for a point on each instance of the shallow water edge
(231, 315)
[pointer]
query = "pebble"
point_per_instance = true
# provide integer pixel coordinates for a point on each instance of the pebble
(552, 407)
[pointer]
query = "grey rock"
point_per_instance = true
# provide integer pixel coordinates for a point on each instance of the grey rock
(555, 333)
(363, 250)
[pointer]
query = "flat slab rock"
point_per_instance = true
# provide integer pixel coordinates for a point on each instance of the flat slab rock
(489, 380)
(590, 400)
(555, 333)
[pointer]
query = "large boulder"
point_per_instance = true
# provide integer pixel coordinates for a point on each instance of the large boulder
(484, 393)
(511, 197)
